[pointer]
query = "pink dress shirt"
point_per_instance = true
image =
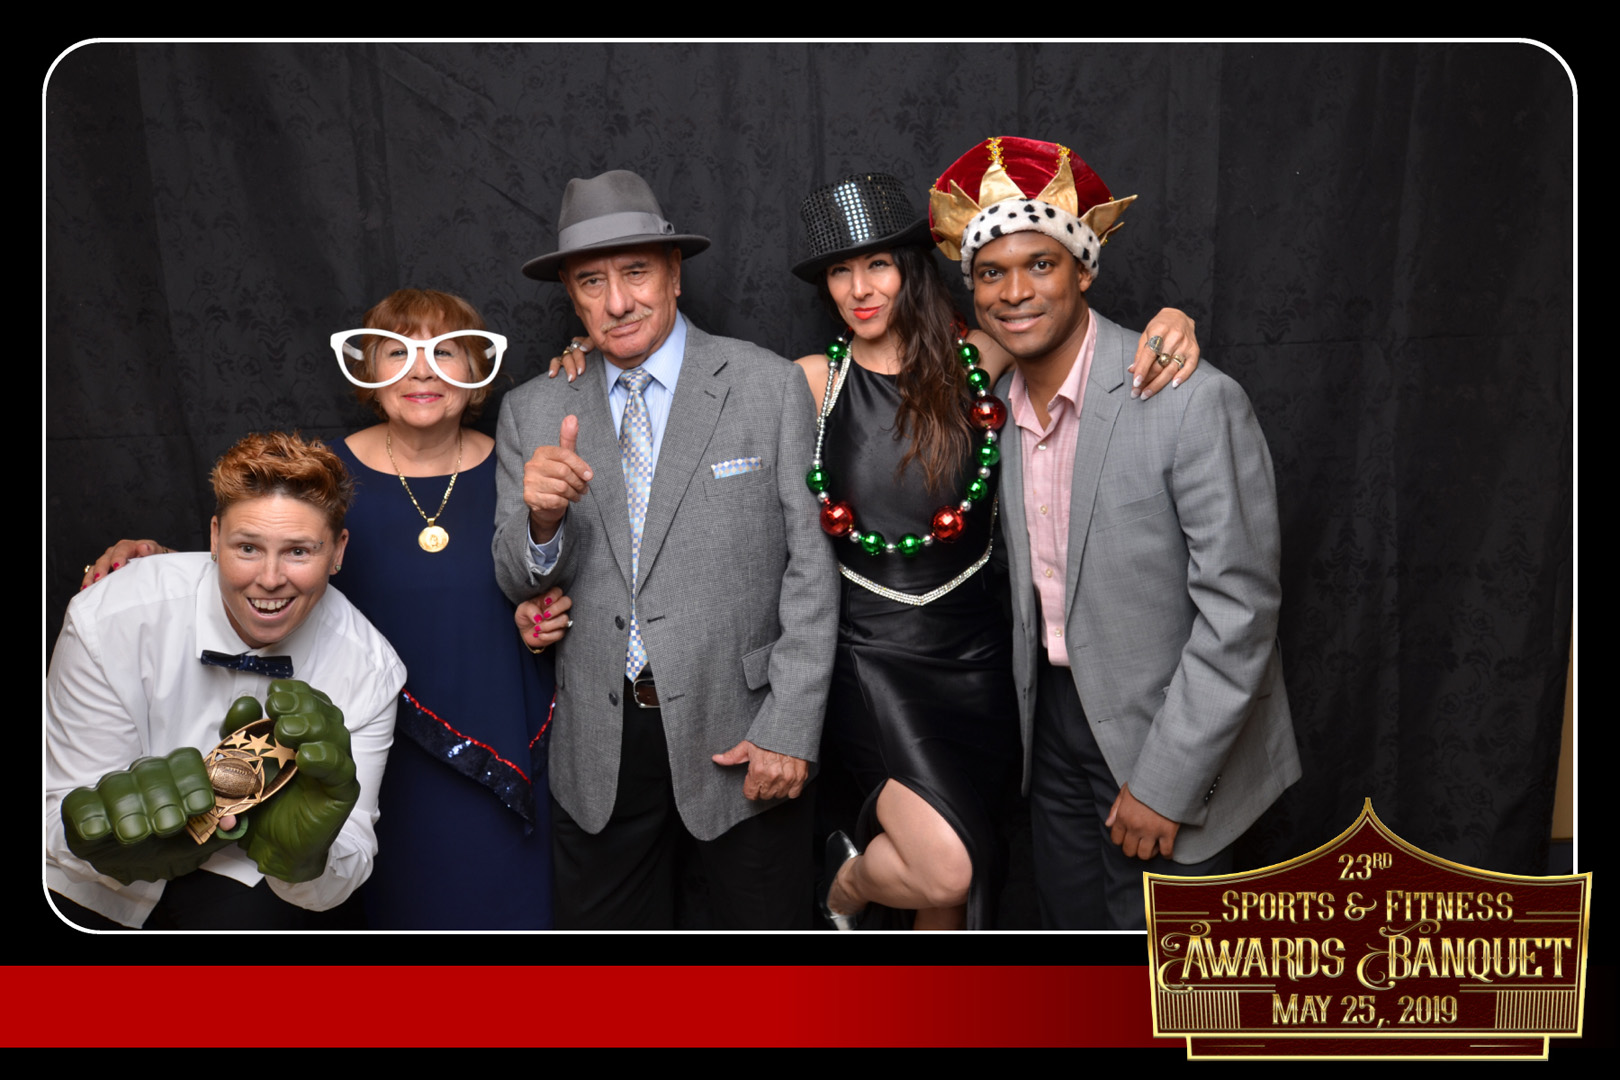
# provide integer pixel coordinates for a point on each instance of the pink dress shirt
(1048, 455)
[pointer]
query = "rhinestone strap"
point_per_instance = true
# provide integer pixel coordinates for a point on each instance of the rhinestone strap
(919, 599)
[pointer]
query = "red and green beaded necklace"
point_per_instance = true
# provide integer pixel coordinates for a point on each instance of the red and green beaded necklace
(988, 415)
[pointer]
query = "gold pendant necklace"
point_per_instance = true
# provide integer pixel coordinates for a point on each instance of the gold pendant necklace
(432, 539)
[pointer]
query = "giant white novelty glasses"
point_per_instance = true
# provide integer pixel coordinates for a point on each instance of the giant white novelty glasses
(348, 347)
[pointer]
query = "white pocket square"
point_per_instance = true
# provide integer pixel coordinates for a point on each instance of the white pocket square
(736, 467)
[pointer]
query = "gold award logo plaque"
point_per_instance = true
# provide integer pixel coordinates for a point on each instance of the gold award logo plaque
(1367, 947)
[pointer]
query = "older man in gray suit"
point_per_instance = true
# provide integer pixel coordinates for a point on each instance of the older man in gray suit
(663, 489)
(1144, 563)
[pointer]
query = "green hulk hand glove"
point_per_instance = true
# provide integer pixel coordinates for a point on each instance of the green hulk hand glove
(289, 836)
(131, 825)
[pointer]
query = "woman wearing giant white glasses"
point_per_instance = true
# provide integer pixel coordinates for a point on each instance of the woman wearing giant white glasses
(464, 836)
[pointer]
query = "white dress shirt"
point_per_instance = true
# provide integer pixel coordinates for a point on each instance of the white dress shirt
(126, 681)
(664, 365)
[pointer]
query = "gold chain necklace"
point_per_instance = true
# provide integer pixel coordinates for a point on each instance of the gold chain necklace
(432, 539)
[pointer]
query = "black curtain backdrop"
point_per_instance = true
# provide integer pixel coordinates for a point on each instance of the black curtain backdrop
(1375, 240)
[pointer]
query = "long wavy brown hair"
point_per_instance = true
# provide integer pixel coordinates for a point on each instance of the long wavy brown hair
(934, 395)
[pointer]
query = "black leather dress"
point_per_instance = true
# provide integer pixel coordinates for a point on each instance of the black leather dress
(920, 694)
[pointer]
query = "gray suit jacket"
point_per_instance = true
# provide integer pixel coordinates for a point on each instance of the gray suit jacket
(738, 597)
(1171, 620)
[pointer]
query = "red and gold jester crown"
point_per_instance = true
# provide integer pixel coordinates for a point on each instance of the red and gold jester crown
(1019, 185)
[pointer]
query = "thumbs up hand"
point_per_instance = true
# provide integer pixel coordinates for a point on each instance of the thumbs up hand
(554, 477)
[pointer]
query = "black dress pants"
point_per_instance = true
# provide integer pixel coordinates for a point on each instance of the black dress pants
(626, 876)
(1083, 879)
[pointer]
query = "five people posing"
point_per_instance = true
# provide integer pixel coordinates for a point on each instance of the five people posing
(662, 491)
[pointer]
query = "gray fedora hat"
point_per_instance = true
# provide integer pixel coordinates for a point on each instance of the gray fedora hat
(614, 210)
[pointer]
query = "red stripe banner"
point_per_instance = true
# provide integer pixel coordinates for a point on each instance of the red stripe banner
(1080, 1006)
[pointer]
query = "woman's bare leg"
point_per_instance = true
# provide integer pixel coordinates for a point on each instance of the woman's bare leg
(917, 862)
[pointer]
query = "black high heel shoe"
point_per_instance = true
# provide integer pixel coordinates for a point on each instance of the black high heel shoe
(840, 849)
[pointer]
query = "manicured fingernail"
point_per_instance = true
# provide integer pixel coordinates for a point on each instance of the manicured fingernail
(1137, 381)
(536, 632)
(114, 566)
(1175, 383)
(1135, 393)
(96, 578)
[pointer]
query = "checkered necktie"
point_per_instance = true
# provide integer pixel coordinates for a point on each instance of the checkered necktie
(636, 452)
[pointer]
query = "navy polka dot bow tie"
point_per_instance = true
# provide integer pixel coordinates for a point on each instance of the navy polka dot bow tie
(276, 667)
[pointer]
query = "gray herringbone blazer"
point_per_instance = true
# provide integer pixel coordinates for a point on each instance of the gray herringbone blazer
(1173, 595)
(738, 598)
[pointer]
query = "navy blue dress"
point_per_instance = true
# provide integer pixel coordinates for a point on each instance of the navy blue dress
(464, 838)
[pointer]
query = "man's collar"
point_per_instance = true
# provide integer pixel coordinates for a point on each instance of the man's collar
(1069, 388)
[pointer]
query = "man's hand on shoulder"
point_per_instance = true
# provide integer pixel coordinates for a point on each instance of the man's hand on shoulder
(552, 478)
(770, 775)
(1140, 831)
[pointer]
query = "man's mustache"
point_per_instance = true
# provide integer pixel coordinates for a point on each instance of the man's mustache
(634, 317)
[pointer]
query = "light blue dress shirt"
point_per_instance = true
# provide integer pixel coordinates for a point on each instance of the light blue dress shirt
(664, 365)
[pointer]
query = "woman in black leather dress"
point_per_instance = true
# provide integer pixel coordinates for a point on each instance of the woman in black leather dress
(922, 712)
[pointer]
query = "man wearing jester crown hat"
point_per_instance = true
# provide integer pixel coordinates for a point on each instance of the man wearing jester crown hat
(1144, 566)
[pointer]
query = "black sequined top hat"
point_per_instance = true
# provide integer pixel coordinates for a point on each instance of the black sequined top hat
(614, 210)
(865, 212)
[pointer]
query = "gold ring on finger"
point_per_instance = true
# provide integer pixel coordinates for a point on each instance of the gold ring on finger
(1161, 359)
